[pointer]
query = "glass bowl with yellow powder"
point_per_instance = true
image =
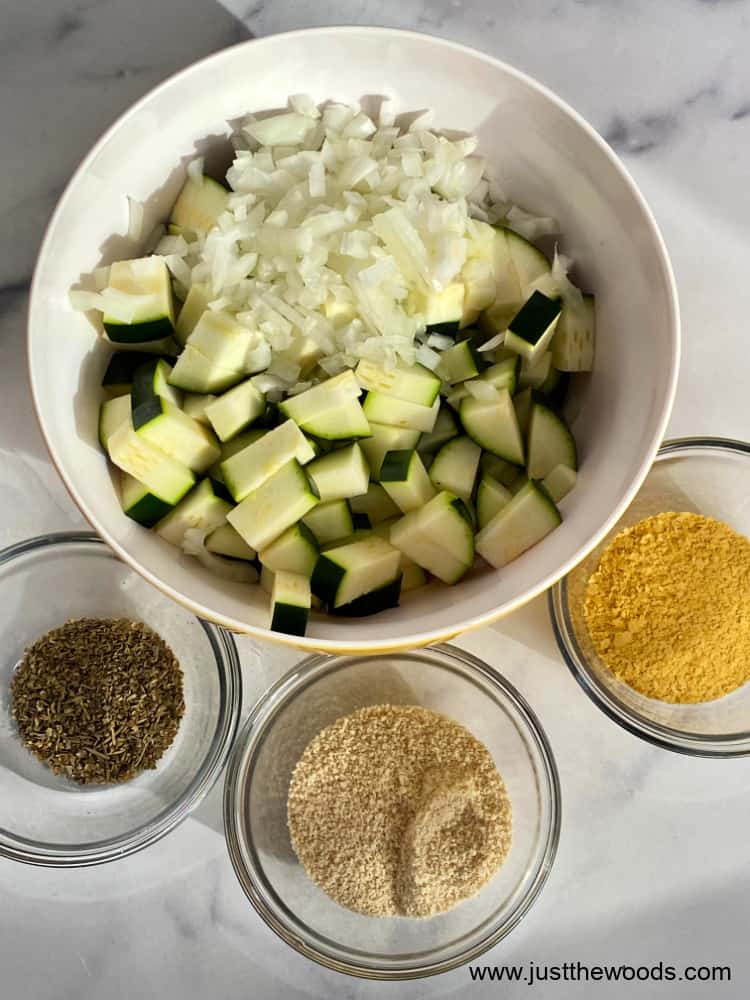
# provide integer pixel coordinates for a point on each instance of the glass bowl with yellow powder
(655, 623)
(392, 817)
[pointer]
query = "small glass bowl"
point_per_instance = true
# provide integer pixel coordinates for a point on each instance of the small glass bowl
(46, 819)
(312, 696)
(708, 476)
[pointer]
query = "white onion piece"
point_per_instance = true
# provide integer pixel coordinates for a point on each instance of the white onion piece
(531, 227)
(426, 356)
(267, 383)
(493, 342)
(440, 341)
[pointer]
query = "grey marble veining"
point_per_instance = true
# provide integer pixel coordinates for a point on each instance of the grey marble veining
(653, 861)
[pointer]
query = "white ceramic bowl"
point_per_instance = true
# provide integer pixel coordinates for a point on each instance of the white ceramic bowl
(547, 157)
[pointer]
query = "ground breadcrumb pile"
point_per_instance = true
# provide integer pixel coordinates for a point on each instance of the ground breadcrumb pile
(396, 810)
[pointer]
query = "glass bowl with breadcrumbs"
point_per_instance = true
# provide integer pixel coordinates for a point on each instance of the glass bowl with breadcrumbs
(394, 816)
(655, 623)
(117, 706)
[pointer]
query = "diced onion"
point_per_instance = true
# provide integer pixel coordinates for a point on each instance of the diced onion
(493, 342)
(337, 226)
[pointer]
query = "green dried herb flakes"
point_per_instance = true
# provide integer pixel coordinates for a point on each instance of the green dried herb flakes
(98, 699)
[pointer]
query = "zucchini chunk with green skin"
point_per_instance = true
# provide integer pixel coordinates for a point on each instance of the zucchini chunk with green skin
(194, 404)
(519, 482)
(235, 410)
(249, 468)
(269, 510)
(345, 421)
(195, 372)
(504, 374)
(439, 537)
(199, 204)
(492, 496)
(162, 475)
(405, 480)
(523, 522)
(166, 427)
(224, 541)
(118, 375)
(534, 375)
(442, 312)
(412, 383)
(382, 409)
(294, 551)
(574, 340)
(330, 521)
(376, 504)
(494, 427)
(529, 262)
(522, 404)
(508, 291)
(445, 428)
(139, 503)
(504, 472)
(201, 508)
(340, 474)
(460, 362)
(559, 482)
(480, 274)
(220, 338)
(412, 575)
(113, 413)
(531, 329)
(374, 602)
(344, 573)
(195, 304)
(229, 448)
(290, 603)
(321, 399)
(455, 467)
(550, 443)
(150, 384)
(383, 439)
(149, 313)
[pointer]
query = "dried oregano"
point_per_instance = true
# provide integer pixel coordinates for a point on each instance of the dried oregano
(98, 699)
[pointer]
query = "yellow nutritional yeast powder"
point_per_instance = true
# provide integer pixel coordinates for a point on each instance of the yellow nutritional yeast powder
(668, 607)
(398, 811)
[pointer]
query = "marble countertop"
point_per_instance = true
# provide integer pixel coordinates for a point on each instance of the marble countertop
(653, 862)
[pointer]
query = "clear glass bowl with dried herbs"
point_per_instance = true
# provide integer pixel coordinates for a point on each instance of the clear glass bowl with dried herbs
(89, 777)
(312, 696)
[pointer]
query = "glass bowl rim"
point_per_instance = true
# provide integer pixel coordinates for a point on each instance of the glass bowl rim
(226, 659)
(727, 745)
(266, 709)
